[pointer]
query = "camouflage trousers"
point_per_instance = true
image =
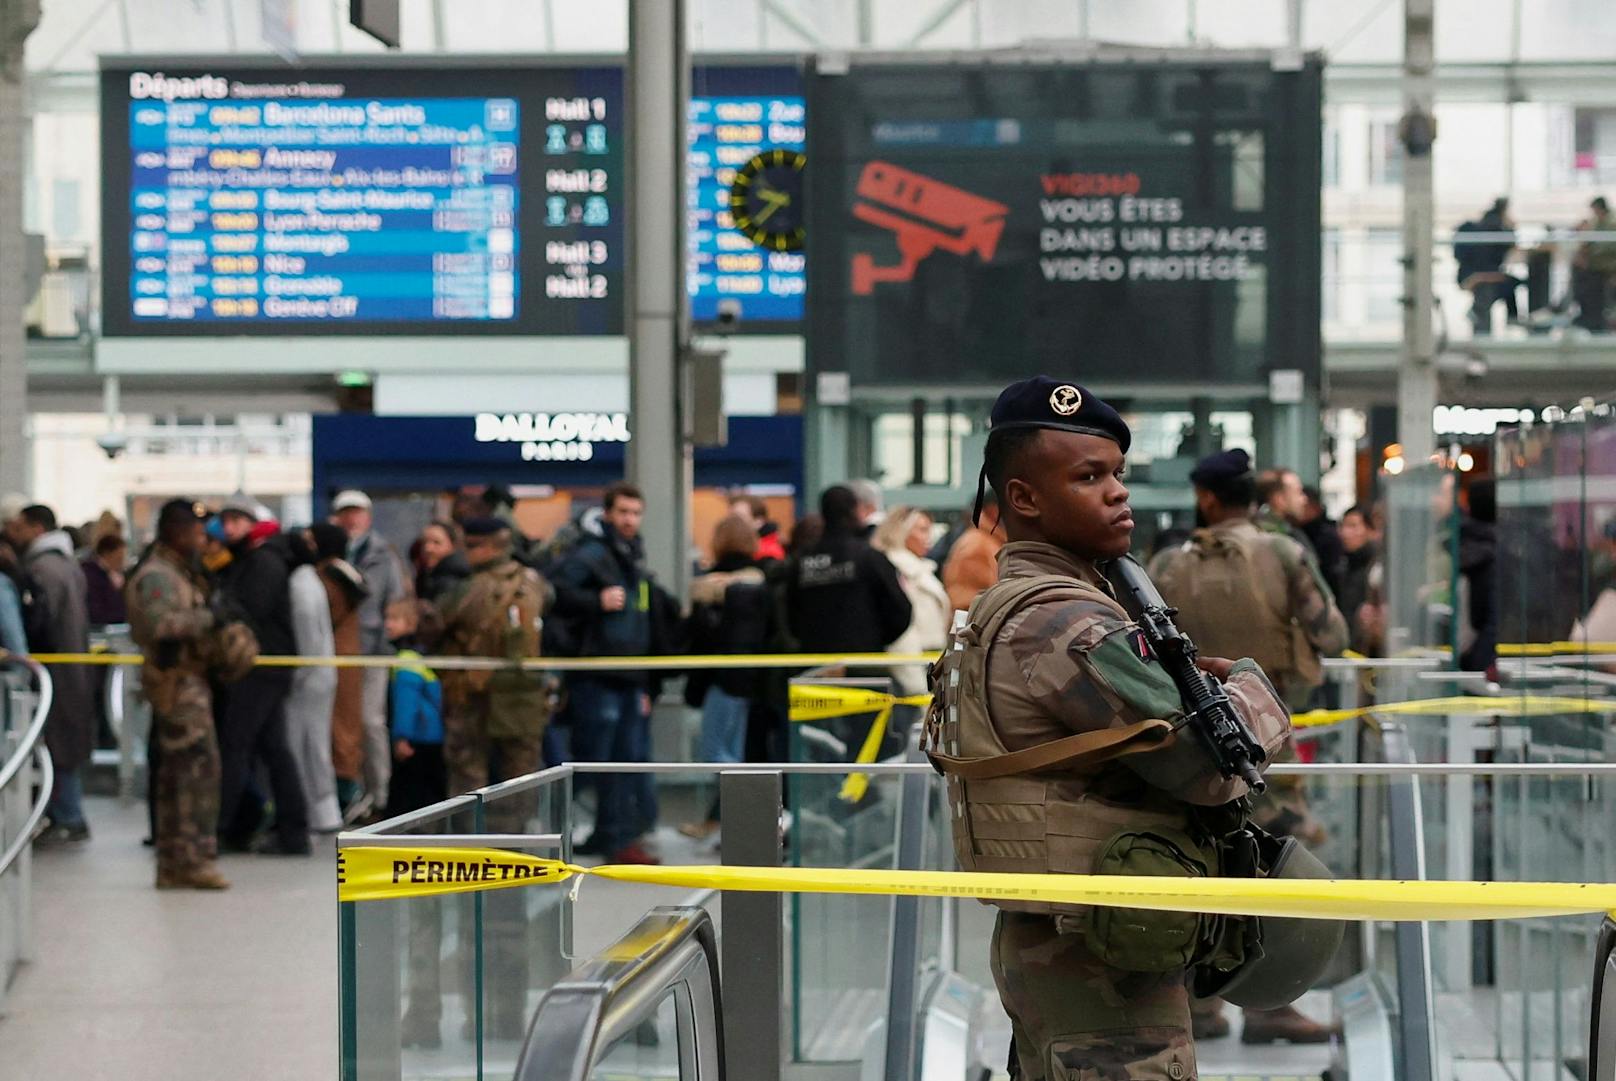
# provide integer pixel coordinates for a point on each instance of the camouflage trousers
(474, 761)
(1075, 1017)
(187, 801)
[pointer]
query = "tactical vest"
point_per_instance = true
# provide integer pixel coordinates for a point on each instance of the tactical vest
(1030, 811)
(165, 663)
(1233, 598)
(499, 617)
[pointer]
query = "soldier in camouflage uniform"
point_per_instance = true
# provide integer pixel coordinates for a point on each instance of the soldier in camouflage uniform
(493, 728)
(170, 621)
(1056, 729)
(1236, 584)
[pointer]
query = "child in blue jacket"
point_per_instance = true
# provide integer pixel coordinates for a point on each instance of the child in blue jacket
(415, 717)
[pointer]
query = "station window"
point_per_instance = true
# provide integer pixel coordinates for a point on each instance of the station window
(1594, 147)
(1385, 153)
(940, 450)
(1384, 277)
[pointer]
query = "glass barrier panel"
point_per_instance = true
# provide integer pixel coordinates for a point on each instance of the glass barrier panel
(525, 943)
(410, 977)
(838, 975)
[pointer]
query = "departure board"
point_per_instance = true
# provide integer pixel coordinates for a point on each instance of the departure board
(735, 114)
(354, 200)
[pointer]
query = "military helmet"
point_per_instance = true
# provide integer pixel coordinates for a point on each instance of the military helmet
(1294, 953)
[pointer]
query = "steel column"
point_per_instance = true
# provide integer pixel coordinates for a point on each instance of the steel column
(13, 253)
(659, 457)
(1417, 377)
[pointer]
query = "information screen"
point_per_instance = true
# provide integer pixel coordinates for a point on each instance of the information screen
(1116, 224)
(735, 114)
(410, 200)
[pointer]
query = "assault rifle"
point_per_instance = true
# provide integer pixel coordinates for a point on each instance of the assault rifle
(1209, 712)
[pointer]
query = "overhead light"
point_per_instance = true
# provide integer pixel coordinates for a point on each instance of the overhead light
(353, 378)
(1467, 462)
(1393, 465)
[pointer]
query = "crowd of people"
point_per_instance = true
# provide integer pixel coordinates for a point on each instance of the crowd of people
(287, 752)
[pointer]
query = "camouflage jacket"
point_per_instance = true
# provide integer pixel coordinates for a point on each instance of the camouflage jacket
(169, 620)
(1242, 590)
(478, 621)
(1062, 666)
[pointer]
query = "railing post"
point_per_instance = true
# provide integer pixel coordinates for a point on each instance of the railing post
(1416, 1035)
(903, 990)
(752, 942)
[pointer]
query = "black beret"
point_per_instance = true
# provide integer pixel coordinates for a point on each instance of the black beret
(484, 526)
(1222, 466)
(1042, 402)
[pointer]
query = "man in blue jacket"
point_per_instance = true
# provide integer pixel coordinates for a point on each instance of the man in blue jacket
(606, 592)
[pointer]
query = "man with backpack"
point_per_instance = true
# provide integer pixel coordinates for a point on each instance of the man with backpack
(493, 726)
(1244, 591)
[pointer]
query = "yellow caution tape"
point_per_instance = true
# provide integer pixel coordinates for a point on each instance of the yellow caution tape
(375, 874)
(812, 703)
(545, 664)
(98, 655)
(1528, 705)
(820, 703)
(1549, 649)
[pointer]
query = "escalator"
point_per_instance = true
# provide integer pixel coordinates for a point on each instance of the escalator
(648, 1006)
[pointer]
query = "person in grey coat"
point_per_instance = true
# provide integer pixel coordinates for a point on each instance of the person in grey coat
(313, 693)
(387, 578)
(57, 581)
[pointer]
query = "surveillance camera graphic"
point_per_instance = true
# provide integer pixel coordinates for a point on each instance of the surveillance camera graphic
(925, 214)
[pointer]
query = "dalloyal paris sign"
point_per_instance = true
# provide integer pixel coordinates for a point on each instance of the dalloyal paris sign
(1140, 222)
(553, 437)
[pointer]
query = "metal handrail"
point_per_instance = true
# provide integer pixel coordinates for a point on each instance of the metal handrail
(30, 748)
(1416, 1006)
(670, 949)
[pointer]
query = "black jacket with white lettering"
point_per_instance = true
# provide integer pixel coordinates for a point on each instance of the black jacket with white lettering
(842, 596)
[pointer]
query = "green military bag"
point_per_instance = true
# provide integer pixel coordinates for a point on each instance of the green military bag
(518, 705)
(518, 700)
(1142, 939)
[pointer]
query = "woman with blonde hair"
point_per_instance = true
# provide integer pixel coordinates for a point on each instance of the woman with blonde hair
(904, 538)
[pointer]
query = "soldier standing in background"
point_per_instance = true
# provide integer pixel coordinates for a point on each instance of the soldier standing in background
(170, 620)
(493, 729)
(1054, 725)
(1239, 587)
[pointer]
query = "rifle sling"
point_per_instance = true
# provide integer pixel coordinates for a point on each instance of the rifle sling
(1082, 748)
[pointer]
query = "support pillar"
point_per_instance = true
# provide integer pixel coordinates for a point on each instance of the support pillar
(1416, 377)
(13, 253)
(659, 456)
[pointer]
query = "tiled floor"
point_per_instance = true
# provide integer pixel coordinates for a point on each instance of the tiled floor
(130, 984)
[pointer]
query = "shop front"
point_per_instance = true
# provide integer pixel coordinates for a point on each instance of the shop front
(554, 465)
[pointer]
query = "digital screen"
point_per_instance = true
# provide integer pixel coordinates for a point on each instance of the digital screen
(427, 200)
(735, 113)
(1105, 223)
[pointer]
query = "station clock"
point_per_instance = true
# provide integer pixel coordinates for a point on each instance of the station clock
(766, 199)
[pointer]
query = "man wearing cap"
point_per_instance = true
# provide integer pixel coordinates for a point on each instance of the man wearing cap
(1237, 584)
(493, 727)
(388, 581)
(1239, 588)
(170, 620)
(1056, 729)
(256, 586)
